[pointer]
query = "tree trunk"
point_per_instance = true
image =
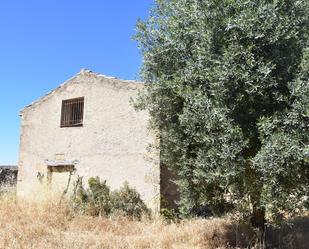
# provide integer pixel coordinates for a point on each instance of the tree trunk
(258, 218)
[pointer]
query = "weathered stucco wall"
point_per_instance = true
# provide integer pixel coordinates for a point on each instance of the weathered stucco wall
(112, 143)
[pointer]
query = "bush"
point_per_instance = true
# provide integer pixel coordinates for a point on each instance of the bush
(98, 200)
(128, 202)
(95, 200)
(168, 213)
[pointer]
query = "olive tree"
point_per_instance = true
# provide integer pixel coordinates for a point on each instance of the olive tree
(228, 92)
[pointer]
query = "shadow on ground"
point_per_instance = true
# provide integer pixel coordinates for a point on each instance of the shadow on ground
(292, 235)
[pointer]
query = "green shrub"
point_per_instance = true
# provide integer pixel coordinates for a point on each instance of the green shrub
(128, 202)
(99, 200)
(168, 214)
(95, 200)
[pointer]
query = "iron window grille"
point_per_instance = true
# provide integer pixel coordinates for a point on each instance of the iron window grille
(72, 112)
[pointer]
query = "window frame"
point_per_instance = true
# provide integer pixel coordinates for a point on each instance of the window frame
(66, 120)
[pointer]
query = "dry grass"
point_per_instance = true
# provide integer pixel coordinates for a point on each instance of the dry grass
(46, 225)
(27, 225)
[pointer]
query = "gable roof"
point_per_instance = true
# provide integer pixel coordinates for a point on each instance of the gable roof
(131, 84)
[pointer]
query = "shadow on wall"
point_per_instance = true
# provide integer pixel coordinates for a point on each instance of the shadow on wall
(169, 190)
(8, 175)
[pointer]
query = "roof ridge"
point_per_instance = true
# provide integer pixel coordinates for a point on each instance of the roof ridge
(83, 71)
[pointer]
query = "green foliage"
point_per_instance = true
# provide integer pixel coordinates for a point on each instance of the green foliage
(95, 200)
(227, 90)
(99, 200)
(168, 214)
(128, 201)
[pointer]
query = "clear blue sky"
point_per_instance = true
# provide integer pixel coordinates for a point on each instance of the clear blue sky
(43, 43)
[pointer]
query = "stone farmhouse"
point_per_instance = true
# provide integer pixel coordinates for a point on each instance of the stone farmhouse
(88, 127)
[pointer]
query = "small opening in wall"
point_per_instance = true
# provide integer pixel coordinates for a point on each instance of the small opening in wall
(72, 112)
(62, 168)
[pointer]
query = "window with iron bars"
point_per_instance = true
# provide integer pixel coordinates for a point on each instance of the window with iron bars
(72, 112)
